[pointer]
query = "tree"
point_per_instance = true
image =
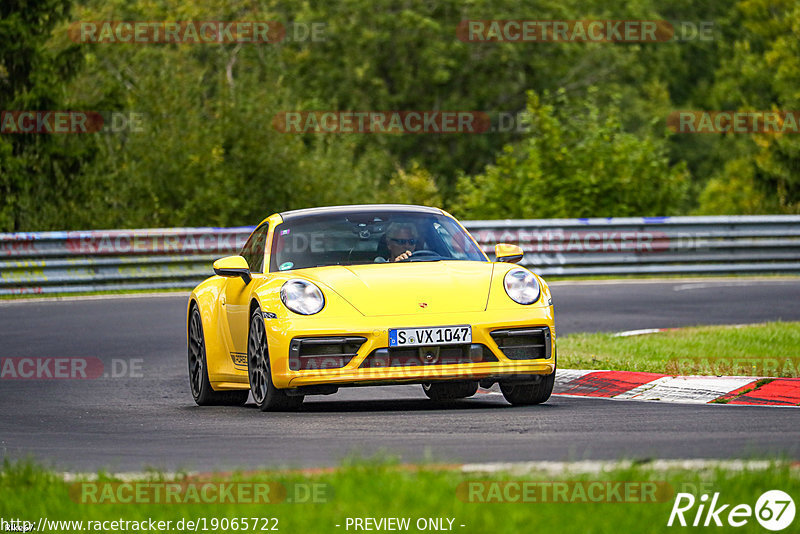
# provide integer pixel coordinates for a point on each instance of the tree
(37, 172)
(760, 72)
(577, 161)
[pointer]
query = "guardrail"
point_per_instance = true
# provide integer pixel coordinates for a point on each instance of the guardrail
(650, 245)
(168, 258)
(56, 262)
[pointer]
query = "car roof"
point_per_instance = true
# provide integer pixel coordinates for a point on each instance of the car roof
(357, 208)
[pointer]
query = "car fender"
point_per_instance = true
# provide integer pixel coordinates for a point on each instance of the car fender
(206, 297)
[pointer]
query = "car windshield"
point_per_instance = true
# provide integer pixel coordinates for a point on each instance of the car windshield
(369, 237)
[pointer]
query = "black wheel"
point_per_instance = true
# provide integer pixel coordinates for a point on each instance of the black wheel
(528, 394)
(267, 396)
(202, 392)
(440, 391)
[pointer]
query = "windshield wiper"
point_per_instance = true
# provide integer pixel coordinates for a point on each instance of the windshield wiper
(439, 258)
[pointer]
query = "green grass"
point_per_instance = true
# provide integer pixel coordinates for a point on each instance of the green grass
(771, 349)
(381, 489)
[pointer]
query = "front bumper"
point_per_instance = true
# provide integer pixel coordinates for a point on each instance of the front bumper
(375, 330)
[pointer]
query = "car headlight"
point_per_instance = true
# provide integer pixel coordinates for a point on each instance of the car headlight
(303, 297)
(521, 286)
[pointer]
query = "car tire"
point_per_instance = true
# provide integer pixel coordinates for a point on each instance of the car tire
(267, 397)
(440, 391)
(529, 394)
(200, 386)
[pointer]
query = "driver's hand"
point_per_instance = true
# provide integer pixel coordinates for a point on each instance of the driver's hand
(404, 256)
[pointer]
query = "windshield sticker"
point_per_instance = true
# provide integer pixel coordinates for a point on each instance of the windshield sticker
(286, 265)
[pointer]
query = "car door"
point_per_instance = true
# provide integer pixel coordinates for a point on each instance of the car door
(235, 302)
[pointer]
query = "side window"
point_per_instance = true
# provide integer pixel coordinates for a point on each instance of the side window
(253, 250)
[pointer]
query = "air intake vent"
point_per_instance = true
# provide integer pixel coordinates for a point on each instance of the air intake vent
(314, 353)
(524, 343)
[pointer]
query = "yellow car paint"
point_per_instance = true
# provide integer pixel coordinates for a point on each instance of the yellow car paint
(366, 301)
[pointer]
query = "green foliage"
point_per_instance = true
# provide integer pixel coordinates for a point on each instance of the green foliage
(736, 192)
(760, 72)
(415, 186)
(207, 152)
(37, 173)
(577, 162)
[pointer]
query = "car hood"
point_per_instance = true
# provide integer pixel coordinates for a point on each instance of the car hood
(410, 288)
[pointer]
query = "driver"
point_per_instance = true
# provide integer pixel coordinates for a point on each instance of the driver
(401, 239)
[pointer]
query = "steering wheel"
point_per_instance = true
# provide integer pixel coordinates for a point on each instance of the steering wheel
(421, 254)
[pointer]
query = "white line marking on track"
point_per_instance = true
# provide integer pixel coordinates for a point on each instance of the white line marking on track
(567, 375)
(640, 332)
(600, 466)
(687, 389)
(690, 286)
(549, 467)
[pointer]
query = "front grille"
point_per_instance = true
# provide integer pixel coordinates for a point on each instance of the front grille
(315, 353)
(426, 356)
(524, 343)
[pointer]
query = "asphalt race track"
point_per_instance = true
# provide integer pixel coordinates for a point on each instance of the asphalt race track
(148, 419)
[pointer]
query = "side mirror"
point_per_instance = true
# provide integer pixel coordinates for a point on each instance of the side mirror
(233, 266)
(507, 253)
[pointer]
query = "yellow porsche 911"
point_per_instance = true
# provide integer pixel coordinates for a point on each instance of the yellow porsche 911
(368, 295)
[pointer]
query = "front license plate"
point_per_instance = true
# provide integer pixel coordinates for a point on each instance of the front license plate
(437, 335)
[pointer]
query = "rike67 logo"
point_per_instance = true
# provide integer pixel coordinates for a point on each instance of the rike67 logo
(774, 510)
